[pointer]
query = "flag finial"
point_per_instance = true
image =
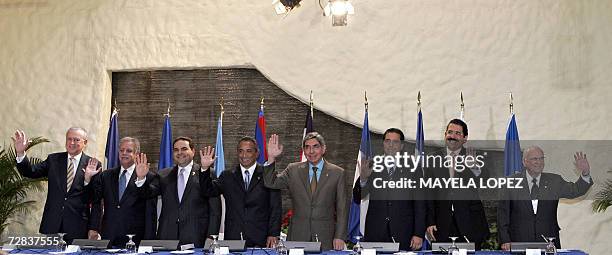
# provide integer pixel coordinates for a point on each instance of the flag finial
(168, 110)
(262, 103)
(419, 101)
(365, 94)
(511, 103)
(115, 109)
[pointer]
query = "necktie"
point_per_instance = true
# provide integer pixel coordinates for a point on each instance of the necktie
(247, 179)
(122, 183)
(181, 184)
(535, 189)
(391, 171)
(451, 171)
(70, 173)
(313, 182)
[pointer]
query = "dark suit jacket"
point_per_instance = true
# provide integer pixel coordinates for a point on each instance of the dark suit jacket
(469, 212)
(323, 213)
(125, 216)
(65, 211)
(397, 213)
(256, 212)
(516, 221)
(195, 217)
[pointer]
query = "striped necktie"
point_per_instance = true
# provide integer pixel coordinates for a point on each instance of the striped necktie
(70, 173)
(313, 182)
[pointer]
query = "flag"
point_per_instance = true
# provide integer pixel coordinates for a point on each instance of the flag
(165, 149)
(365, 153)
(219, 154)
(260, 137)
(111, 154)
(307, 129)
(512, 149)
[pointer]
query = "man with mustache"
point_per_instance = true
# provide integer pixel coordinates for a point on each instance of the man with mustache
(455, 212)
(118, 190)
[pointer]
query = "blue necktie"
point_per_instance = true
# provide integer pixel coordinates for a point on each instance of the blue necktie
(247, 179)
(122, 184)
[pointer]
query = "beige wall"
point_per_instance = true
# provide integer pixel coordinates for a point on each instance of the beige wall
(55, 58)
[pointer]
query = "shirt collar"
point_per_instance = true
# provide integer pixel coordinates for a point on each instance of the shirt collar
(77, 158)
(187, 168)
(318, 165)
(530, 178)
(449, 152)
(130, 169)
(250, 169)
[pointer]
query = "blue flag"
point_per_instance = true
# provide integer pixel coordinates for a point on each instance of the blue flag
(512, 149)
(308, 127)
(419, 150)
(365, 153)
(219, 154)
(260, 137)
(165, 149)
(111, 153)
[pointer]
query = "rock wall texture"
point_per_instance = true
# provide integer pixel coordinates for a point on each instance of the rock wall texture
(56, 58)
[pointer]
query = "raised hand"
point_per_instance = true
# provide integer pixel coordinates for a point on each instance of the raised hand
(275, 149)
(20, 142)
(207, 157)
(581, 163)
(91, 169)
(142, 166)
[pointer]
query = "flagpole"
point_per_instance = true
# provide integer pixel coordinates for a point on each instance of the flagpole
(168, 111)
(365, 93)
(419, 102)
(462, 115)
(511, 104)
(311, 105)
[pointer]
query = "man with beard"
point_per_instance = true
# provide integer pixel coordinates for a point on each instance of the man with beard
(455, 212)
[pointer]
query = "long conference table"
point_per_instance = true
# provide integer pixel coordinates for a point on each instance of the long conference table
(256, 251)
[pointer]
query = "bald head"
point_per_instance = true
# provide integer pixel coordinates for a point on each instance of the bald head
(533, 160)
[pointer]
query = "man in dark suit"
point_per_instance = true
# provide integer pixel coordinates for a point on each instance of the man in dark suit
(527, 214)
(318, 193)
(253, 212)
(455, 212)
(393, 215)
(68, 199)
(186, 214)
(124, 204)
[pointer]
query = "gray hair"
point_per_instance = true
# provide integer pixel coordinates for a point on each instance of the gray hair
(314, 135)
(78, 129)
(133, 140)
(529, 149)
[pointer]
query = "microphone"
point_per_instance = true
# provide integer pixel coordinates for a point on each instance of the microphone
(241, 237)
(393, 239)
(466, 239)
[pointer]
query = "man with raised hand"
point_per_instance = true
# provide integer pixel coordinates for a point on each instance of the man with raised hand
(253, 212)
(68, 199)
(527, 214)
(317, 190)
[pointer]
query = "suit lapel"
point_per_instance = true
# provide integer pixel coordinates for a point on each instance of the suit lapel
(238, 176)
(303, 172)
(323, 178)
(131, 185)
(257, 174)
(192, 176)
(172, 182)
(63, 174)
(114, 182)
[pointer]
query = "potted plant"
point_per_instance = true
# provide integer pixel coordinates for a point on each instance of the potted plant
(13, 187)
(603, 198)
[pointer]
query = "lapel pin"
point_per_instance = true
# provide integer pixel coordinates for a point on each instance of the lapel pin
(192, 173)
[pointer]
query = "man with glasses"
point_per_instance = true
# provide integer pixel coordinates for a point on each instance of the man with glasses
(455, 212)
(527, 214)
